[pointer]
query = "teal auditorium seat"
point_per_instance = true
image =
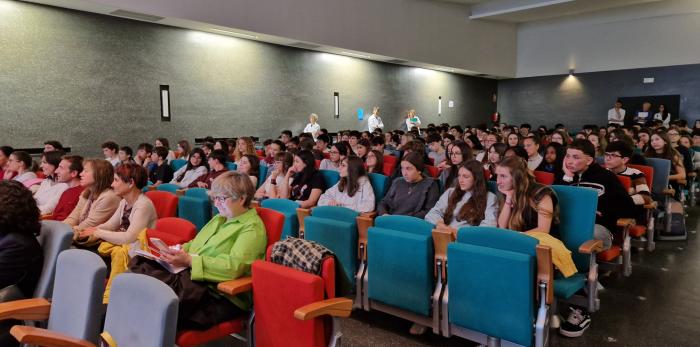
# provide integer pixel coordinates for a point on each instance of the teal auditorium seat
(662, 171)
(380, 184)
(168, 187)
(195, 207)
(262, 175)
(492, 186)
(577, 212)
(289, 209)
(176, 164)
(491, 282)
(145, 189)
(330, 177)
(399, 276)
(231, 166)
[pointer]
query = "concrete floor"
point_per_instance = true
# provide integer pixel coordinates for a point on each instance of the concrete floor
(658, 305)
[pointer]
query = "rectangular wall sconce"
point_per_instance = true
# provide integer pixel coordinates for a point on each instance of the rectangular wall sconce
(336, 105)
(439, 105)
(164, 103)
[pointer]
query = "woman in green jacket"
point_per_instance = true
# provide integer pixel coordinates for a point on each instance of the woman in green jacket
(223, 250)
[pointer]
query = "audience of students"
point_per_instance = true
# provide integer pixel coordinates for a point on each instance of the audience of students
(163, 172)
(196, 167)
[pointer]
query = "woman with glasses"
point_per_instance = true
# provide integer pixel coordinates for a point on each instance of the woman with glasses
(196, 167)
(375, 162)
(353, 190)
(222, 251)
(459, 153)
(337, 153)
(269, 190)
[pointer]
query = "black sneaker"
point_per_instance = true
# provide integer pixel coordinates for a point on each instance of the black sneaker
(578, 321)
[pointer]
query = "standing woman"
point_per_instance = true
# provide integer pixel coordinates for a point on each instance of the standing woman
(663, 115)
(375, 162)
(374, 121)
(467, 203)
(306, 182)
(313, 127)
(196, 167)
(412, 121)
(20, 163)
(353, 190)
(661, 148)
(525, 205)
(337, 153)
(97, 203)
(184, 149)
(459, 153)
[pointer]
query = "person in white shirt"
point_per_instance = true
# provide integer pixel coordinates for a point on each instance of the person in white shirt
(616, 115)
(50, 189)
(645, 114)
(532, 147)
(313, 128)
(353, 191)
(195, 168)
(663, 115)
(110, 149)
(374, 121)
(412, 121)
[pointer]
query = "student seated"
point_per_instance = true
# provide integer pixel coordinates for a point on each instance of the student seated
(223, 250)
(126, 155)
(459, 153)
(617, 155)
(162, 173)
(68, 171)
(553, 159)
(338, 152)
(244, 145)
(21, 256)
(354, 189)
(217, 166)
(97, 203)
(661, 148)
(51, 188)
(5, 152)
(468, 202)
(143, 155)
(275, 147)
(184, 150)
(375, 162)
(307, 183)
(412, 194)
(532, 147)
(196, 167)
(437, 152)
(21, 165)
(110, 150)
(269, 189)
(163, 142)
(496, 153)
(363, 147)
(249, 164)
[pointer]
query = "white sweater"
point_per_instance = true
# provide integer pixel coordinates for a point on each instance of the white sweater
(362, 201)
(437, 213)
(190, 176)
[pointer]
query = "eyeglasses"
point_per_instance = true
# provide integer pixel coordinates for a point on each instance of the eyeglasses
(612, 155)
(220, 198)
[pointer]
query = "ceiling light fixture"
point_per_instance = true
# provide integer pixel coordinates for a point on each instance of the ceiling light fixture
(355, 54)
(234, 33)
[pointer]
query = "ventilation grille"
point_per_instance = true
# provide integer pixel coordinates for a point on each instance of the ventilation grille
(136, 15)
(397, 61)
(305, 45)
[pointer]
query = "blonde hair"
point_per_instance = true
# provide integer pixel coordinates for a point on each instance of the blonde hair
(314, 117)
(235, 185)
(238, 153)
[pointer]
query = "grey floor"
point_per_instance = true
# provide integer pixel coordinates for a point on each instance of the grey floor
(658, 305)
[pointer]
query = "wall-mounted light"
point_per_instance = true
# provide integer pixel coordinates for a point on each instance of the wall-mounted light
(336, 105)
(164, 103)
(571, 72)
(439, 106)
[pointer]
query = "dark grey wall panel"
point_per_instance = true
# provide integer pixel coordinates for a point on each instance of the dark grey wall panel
(82, 78)
(586, 98)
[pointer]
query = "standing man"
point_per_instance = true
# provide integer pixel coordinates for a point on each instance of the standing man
(645, 114)
(616, 115)
(374, 122)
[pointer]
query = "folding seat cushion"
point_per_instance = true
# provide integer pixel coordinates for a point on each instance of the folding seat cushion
(380, 184)
(330, 177)
(400, 263)
(176, 164)
(164, 202)
(231, 166)
(289, 209)
(168, 187)
(335, 228)
(543, 177)
(173, 230)
(201, 193)
(262, 175)
(195, 209)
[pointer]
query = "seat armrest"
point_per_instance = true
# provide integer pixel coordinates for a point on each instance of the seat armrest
(180, 192)
(48, 338)
(669, 191)
(545, 271)
(237, 286)
(591, 246)
(441, 238)
(46, 216)
(301, 214)
(36, 309)
(254, 204)
(625, 222)
(651, 206)
(336, 307)
(372, 214)
(152, 188)
(364, 222)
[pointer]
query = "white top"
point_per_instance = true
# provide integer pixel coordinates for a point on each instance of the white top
(666, 121)
(278, 181)
(614, 118)
(534, 161)
(190, 175)
(143, 215)
(411, 124)
(26, 176)
(313, 129)
(48, 195)
(437, 213)
(114, 161)
(327, 164)
(362, 201)
(642, 117)
(374, 122)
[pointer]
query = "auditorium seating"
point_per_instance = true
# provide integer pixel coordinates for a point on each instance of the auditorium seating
(168, 187)
(55, 237)
(650, 245)
(176, 164)
(289, 209)
(195, 206)
(330, 177)
(546, 178)
(173, 230)
(164, 202)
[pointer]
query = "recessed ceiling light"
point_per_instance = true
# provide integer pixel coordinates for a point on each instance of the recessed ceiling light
(355, 54)
(233, 33)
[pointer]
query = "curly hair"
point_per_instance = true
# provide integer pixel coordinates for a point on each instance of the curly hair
(18, 210)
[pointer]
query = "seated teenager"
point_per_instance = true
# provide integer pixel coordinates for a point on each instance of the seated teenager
(468, 202)
(196, 167)
(184, 149)
(517, 151)
(96, 204)
(496, 153)
(553, 159)
(50, 189)
(5, 152)
(249, 164)
(459, 153)
(163, 142)
(363, 147)
(437, 152)
(661, 148)
(162, 173)
(532, 148)
(475, 145)
(21, 165)
(110, 150)
(354, 189)
(275, 147)
(375, 162)
(223, 250)
(269, 189)
(68, 171)
(338, 152)
(21, 256)
(307, 183)
(52, 145)
(127, 225)
(126, 155)
(217, 166)
(617, 156)
(143, 156)
(244, 145)
(412, 194)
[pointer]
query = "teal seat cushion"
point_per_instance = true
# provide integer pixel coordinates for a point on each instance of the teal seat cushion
(262, 175)
(492, 291)
(577, 211)
(503, 239)
(379, 183)
(168, 187)
(405, 223)
(338, 213)
(400, 271)
(289, 209)
(200, 193)
(340, 237)
(564, 288)
(196, 210)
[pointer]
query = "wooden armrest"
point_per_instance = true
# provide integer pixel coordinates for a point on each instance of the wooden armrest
(364, 222)
(682, 182)
(625, 222)
(180, 192)
(336, 307)
(152, 187)
(36, 309)
(237, 286)
(651, 206)
(372, 214)
(441, 238)
(43, 337)
(46, 216)
(301, 214)
(591, 246)
(545, 271)
(669, 191)
(254, 204)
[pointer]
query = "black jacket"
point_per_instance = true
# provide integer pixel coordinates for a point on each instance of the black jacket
(21, 261)
(613, 201)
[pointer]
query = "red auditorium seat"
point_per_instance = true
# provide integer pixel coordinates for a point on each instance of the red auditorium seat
(546, 178)
(173, 230)
(317, 164)
(433, 171)
(390, 162)
(164, 202)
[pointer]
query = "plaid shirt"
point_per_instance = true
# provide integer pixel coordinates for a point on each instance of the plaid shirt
(300, 254)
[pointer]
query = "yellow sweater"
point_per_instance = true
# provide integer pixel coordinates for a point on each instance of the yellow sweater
(561, 256)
